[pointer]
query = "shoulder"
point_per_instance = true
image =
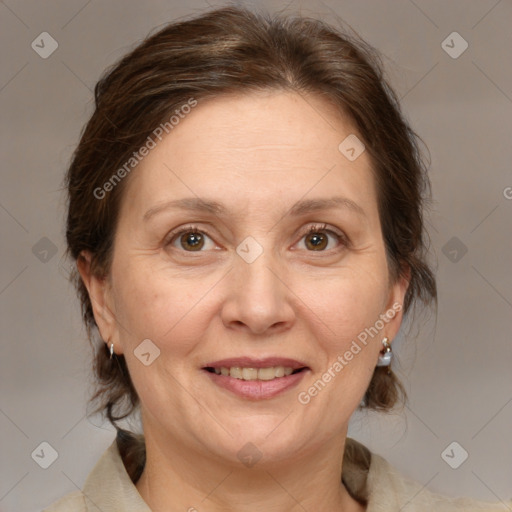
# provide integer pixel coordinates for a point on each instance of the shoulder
(371, 478)
(389, 488)
(108, 487)
(72, 502)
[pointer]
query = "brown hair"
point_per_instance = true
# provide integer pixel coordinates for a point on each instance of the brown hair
(232, 50)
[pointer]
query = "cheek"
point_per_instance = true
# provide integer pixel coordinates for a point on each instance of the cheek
(347, 303)
(160, 306)
(349, 309)
(154, 306)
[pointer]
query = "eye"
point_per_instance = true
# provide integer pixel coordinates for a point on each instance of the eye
(317, 237)
(190, 239)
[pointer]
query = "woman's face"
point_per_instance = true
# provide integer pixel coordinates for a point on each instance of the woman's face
(254, 285)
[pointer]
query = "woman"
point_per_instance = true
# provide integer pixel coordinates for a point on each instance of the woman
(245, 211)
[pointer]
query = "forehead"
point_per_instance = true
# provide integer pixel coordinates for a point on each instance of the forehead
(259, 123)
(253, 149)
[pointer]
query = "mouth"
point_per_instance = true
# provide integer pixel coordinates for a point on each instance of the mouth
(248, 373)
(256, 379)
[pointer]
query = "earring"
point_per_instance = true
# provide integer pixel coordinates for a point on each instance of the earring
(111, 350)
(385, 355)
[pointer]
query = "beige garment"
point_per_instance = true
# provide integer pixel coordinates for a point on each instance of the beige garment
(367, 476)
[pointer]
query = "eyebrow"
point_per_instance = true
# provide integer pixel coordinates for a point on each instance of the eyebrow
(196, 204)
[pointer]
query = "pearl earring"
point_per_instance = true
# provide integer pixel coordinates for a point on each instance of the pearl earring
(385, 355)
(111, 350)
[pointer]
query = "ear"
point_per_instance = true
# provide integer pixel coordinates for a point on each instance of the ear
(395, 305)
(100, 295)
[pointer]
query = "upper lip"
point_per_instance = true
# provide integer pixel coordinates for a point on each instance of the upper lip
(251, 362)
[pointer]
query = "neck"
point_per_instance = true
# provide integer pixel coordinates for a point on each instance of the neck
(176, 478)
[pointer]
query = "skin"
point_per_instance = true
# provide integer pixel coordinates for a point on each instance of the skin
(257, 154)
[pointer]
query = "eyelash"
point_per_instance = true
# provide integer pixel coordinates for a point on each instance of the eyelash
(317, 228)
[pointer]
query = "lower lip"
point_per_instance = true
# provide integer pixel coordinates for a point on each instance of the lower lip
(257, 389)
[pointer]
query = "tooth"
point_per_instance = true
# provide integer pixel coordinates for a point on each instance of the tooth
(236, 372)
(279, 371)
(249, 373)
(266, 373)
(270, 373)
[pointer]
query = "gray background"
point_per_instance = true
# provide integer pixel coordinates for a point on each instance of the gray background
(457, 369)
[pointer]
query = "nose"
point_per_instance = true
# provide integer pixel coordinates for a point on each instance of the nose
(259, 299)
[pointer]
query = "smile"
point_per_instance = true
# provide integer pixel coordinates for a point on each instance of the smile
(265, 374)
(256, 379)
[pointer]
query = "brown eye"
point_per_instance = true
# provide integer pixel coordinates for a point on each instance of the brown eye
(316, 241)
(317, 238)
(192, 240)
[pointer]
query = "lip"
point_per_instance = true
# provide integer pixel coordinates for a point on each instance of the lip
(257, 389)
(251, 362)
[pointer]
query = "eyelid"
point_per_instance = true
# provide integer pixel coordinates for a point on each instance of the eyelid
(190, 228)
(312, 228)
(326, 228)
